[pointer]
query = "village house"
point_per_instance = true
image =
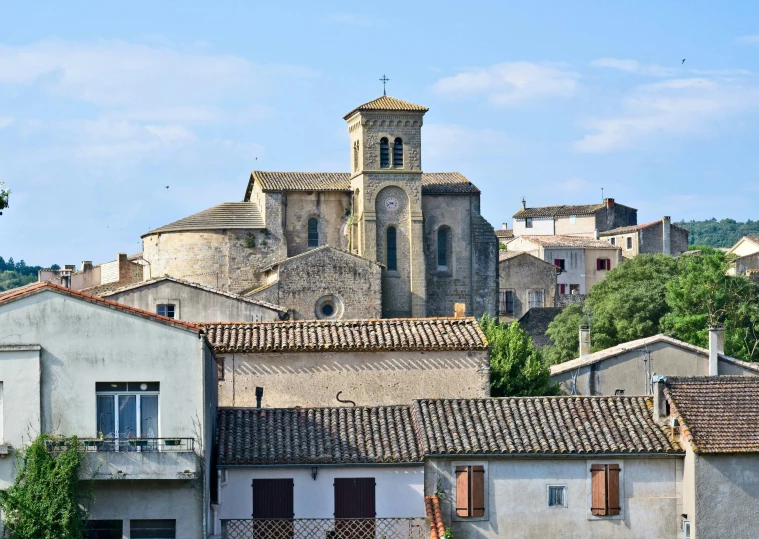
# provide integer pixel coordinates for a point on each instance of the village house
(189, 301)
(525, 282)
(650, 238)
(421, 233)
(626, 369)
(139, 391)
(504, 235)
(581, 261)
(747, 245)
(573, 220)
(353, 472)
(366, 362)
(124, 270)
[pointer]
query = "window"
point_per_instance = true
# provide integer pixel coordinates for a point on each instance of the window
(153, 529)
(574, 288)
(557, 496)
(535, 298)
(629, 243)
(507, 302)
(384, 153)
(398, 153)
(613, 241)
(528, 222)
(104, 529)
(166, 309)
(686, 529)
(313, 232)
(604, 480)
(127, 409)
(572, 219)
(329, 307)
(603, 264)
(392, 253)
(470, 491)
(442, 248)
(560, 263)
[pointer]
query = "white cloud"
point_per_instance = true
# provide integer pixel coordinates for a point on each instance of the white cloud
(510, 83)
(348, 19)
(748, 40)
(672, 107)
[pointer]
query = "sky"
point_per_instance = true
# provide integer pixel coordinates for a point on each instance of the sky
(102, 106)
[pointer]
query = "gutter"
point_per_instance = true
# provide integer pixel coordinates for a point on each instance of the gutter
(585, 456)
(319, 465)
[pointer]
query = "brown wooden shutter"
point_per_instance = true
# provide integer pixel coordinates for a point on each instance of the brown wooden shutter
(612, 491)
(273, 498)
(598, 487)
(477, 491)
(462, 491)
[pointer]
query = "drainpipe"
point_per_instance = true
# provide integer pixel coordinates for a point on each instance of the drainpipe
(716, 347)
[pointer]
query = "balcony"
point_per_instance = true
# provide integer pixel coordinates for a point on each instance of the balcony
(137, 458)
(326, 528)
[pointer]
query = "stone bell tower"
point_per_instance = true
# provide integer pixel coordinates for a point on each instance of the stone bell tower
(386, 180)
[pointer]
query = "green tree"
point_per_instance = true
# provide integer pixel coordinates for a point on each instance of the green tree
(45, 501)
(703, 294)
(517, 368)
(722, 233)
(564, 332)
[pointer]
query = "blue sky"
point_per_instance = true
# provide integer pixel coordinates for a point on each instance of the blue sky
(101, 107)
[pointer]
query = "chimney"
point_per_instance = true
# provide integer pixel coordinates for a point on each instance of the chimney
(70, 267)
(123, 267)
(459, 310)
(584, 341)
(659, 382)
(86, 265)
(716, 347)
(609, 202)
(524, 204)
(666, 242)
(504, 226)
(259, 396)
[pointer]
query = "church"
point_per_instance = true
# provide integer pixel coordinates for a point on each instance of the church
(385, 240)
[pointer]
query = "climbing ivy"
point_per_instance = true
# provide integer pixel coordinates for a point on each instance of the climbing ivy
(47, 500)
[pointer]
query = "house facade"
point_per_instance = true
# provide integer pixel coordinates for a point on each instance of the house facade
(581, 261)
(366, 362)
(525, 282)
(74, 364)
(650, 238)
(573, 220)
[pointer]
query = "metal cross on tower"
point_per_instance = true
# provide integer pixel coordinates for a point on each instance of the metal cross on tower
(384, 80)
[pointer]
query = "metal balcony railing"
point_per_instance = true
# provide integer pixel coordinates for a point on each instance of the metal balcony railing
(325, 528)
(129, 444)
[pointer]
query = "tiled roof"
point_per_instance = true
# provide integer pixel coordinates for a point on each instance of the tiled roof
(570, 241)
(504, 234)
(37, 288)
(437, 525)
(109, 290)
(504, 254)
(311, 252)
(381, 434)
(643, 343)
(408, 334)
(719, 413)
(435, 183)
(540, 425)
(19, 289)
(555, 211)
(635, 228)
(386, 102)
(225, 215)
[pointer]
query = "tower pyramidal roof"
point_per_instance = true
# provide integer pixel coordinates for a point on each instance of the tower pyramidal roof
(386, 102)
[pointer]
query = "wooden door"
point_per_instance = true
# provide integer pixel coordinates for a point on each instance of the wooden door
(355, 503)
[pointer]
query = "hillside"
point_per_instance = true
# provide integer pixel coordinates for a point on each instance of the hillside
(722, 233)
(13, 274)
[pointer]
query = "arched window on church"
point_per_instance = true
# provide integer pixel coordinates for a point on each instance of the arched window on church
(313, 232)
(392, 252)
(384, 153)
(443, 242)
(398, 153)
(355, 156)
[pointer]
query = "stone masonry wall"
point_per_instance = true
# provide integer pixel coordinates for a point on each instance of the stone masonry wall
(330, 208)
(524, 273)
(368, 128)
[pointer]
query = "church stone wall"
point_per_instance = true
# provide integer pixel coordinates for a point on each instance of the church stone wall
(330, 208)
(396, 285)
(367, 378)
(369, 128)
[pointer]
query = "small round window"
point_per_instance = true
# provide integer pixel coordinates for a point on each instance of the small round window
(329, 307)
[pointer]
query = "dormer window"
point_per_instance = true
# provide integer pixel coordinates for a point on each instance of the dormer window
(398, 153)
(384, 153)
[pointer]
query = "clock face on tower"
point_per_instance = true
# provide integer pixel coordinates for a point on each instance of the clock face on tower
(391, 203)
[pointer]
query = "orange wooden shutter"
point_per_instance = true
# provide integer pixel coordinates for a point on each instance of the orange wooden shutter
(462, 491)
(478, 491)
(598, 486)
(612, 476)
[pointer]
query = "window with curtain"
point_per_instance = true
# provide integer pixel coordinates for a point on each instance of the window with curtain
(392, 253)
(313, 232)
(127, 409)
(384, 153)
(398, 152)
(442, 248)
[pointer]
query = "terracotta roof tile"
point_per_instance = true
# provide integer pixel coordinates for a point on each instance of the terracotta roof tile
(408, 334)
(540, 425)
(437, 525)
(570, 241)
(386, 102)
(340, 435)
(555, 211)
(720, 412)
(502, 234)
(226, 215)
(37, 288)
(432, 183)
(634, 228)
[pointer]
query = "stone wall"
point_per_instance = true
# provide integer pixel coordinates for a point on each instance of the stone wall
(396, 285)
(367, 378)
(330, 208)
(367, 128)
(615, 215)
(522, 274)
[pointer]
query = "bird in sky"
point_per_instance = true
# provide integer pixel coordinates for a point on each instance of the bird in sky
(681, 63)
(167, 187)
